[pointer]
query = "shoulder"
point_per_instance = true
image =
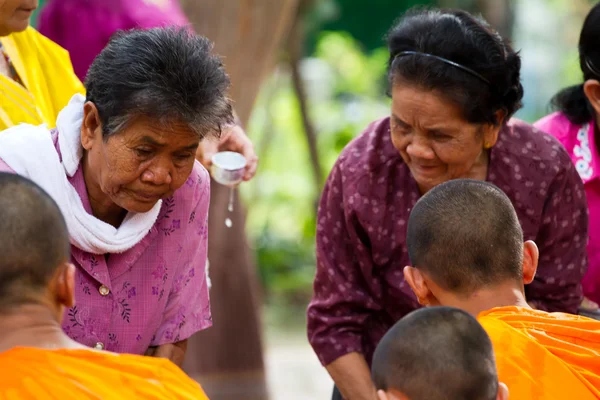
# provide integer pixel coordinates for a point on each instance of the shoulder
(195, 192)
(559, 126)
(368, 153)
(36, 41)
(523, 143)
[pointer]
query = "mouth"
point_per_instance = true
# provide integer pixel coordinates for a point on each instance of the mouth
(26, 10)
(147, 197)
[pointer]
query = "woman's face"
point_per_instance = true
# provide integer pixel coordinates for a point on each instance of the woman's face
(15, 14)
(435, 141)
(138, 166)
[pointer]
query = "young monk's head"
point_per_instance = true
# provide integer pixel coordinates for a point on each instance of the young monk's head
(436, 353)
(466, 248)
(34, 249)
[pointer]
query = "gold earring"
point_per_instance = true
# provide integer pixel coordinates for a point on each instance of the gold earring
(487, 146)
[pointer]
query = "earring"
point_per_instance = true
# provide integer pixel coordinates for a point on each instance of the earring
(487, 146)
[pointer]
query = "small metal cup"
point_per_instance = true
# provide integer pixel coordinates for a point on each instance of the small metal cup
(228, 168)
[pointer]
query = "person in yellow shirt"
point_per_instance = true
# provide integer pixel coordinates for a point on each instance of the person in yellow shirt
(466, 248)
(37, 359)
(436, 353)
(36, 75)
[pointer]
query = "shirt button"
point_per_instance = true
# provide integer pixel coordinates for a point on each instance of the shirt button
(99, 346)
(104, 290)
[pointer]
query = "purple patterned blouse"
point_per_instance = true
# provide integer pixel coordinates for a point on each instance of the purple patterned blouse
(359, 288)
(154, 293)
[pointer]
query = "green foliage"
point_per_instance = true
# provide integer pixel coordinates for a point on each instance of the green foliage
(346, 90)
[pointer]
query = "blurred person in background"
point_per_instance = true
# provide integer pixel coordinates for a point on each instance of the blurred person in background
(36, 75)
(455, 84)
(575, 124)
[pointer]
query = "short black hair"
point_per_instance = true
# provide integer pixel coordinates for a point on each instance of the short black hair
(437, 353)
(466, 235)
(572, 101)
(34, 240)
(462, 38)
(166, 74)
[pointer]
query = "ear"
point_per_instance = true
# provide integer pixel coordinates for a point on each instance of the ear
(65, 285)
(591, 88)
(91, 127)
(491, 131)
(502, 391)
(531, 255)
(417, 283)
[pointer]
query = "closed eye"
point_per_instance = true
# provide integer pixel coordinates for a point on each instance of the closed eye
(143, 152)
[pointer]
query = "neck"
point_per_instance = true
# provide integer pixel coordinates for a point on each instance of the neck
(33, 326)
(503, 295)
(103, 207)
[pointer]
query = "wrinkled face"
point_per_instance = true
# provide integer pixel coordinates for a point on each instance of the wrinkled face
(15, 14)
(434, 139)
(143, 163)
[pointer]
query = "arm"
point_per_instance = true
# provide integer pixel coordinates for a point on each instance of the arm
(235, 139)
(562, 240)
(342, 300)
(188, 307)
(171, 351)
(352, 376)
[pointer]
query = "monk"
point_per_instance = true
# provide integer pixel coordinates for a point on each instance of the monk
(466, 248)
(436, 353)
(37, 360)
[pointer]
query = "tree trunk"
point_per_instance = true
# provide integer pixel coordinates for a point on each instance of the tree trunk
(227, 359)
(498, 13)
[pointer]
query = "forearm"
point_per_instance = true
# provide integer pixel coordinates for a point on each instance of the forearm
(352, 377)
(175, 352)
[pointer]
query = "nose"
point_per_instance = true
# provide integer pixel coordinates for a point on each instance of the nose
(160, 173)
(419, 147)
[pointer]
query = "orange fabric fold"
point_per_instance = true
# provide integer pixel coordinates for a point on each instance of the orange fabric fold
(30, 373)
(545, 355)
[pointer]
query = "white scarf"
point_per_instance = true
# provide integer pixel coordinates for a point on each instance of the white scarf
(30, 152)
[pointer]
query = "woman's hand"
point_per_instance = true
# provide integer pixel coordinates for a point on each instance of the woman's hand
(172, 351)
(233, 139)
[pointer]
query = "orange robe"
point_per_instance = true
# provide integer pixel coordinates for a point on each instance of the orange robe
(31, 373)
(544, 355)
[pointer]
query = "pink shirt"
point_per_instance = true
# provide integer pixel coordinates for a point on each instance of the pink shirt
(580, 143)
(155, 292)
(84, 27)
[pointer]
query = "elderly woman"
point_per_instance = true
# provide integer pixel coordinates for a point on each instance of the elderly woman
(454, 85)
(575, 125)
(121, 165)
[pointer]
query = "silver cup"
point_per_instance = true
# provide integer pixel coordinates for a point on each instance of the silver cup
(228, 168)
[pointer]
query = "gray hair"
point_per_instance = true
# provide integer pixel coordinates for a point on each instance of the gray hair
(166, 74)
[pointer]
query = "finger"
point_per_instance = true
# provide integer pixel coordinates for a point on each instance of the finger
(251, 169)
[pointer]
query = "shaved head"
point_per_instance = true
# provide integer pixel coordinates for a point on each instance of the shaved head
(465, 235)
(437, 353)
(34, 241)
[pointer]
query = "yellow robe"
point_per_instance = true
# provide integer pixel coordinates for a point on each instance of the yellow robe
(31, 373)
(47, 75)
(543, 355)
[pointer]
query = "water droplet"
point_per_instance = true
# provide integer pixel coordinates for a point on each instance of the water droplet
(230, 205)
(228, 222)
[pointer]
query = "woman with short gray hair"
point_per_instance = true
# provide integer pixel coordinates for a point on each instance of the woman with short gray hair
(121, 165)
